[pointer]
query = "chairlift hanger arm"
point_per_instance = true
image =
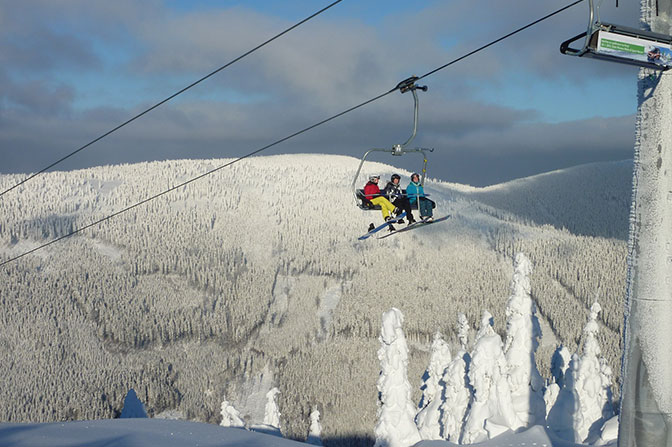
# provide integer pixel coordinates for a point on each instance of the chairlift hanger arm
(404, 86)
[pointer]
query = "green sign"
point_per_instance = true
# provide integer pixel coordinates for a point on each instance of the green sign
(622, 46)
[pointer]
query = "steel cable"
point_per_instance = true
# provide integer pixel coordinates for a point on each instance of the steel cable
(296, 25)
(306, 129)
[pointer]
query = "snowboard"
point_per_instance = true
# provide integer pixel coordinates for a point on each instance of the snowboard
(384, 225)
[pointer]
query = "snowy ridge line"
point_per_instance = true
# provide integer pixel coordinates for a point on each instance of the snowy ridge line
(173, 188)
(193, 84)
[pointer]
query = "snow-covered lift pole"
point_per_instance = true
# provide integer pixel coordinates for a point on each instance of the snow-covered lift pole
(646, 399)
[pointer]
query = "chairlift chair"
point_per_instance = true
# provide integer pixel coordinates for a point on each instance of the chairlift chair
(625, 45)
(396, 150)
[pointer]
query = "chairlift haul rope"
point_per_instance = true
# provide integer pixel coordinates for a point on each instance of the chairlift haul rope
(228, 64)
(376, 98)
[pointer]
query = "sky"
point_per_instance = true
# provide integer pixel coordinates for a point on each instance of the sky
(71, 70)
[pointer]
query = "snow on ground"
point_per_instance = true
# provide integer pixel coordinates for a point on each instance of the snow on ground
(254, 390)
(328, 302)
(172, 433)
(134, 433)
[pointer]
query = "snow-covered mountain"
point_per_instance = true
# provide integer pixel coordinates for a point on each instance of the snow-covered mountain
(253, 277)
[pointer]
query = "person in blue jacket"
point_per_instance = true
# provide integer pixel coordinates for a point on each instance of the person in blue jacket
(416, 193)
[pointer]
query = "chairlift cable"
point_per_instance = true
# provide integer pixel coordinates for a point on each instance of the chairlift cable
(304, 130)
(296, 25)
(548, 16)
(185, 183)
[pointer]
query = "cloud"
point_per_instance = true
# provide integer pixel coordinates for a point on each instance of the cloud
(37, 96)
(313, 72)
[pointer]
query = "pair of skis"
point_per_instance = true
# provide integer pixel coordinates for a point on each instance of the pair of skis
(414, 225)
(384, 225)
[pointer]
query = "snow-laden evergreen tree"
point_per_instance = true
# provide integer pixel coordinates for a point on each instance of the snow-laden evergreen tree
(315, 433)
(559, 365)
(522, 340)
(463, 330)
(428, 418)
(271, 411)
(561, 415)
(584, 402)
(551, 393)
(395, 427)
(491, 412)
(457, 392)
(230, 416)
(485, 329)
(592, 385)
(608, 433)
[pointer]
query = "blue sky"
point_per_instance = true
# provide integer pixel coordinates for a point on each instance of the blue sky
(71, 70)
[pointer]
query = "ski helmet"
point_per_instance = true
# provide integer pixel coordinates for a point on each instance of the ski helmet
(374, 176)
(397, 176)
(415, 174)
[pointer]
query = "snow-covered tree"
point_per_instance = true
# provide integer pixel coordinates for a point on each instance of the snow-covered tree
(439, 359)
(395, 427)
(608, 432)
(559, 364)
(463, 330)
(271, 411)
(584, 402)
(491, 412)
(457, 392)
(230, 416)
(561, 415)
(485, 329)
(428, 418)
(592, 385)
(315, 433)
(522, 340)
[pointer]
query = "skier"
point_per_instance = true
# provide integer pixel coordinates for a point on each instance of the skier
(372, 194)
(395, 195)
(416, 193)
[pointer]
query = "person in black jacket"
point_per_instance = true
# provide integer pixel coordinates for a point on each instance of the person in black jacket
(394, 194)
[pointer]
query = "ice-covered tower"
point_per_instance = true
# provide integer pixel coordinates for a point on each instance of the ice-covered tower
(646, 405)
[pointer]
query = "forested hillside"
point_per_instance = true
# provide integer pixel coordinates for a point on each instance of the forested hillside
(253, 277)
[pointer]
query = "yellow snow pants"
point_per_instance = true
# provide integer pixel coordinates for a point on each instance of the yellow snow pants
(385, 206)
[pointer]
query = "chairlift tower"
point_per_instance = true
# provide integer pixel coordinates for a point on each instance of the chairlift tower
(646, 374)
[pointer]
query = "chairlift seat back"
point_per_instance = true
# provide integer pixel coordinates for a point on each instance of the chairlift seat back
(365, 203)
(624, 45)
